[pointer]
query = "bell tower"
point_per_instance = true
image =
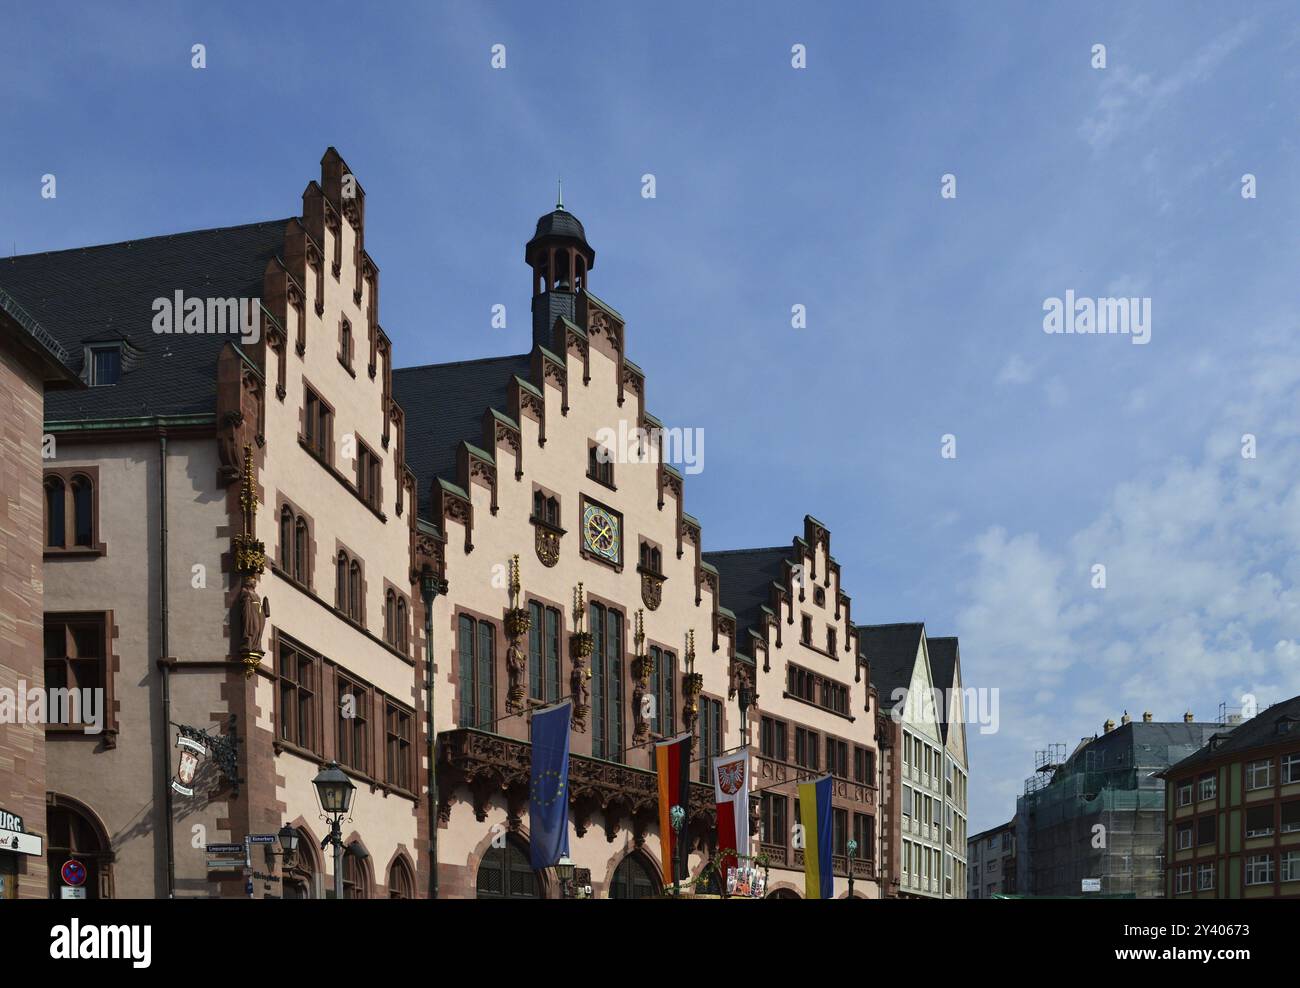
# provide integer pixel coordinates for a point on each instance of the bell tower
(561, 259)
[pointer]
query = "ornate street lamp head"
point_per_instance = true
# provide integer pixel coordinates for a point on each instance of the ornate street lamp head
(334, 790)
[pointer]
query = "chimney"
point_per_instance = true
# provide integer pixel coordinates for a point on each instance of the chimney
(1187, 717)
(1146, 716)
(1126, 719)
(1108, 726)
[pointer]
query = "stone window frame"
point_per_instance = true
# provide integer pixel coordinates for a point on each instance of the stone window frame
(110, 664)
(355, 598)
(316, 748)
(397, 626)
(67, 475)
(289, 566)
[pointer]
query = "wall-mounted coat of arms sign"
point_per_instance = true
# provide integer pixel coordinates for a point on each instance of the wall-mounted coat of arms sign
(191, 751)
(195, 744)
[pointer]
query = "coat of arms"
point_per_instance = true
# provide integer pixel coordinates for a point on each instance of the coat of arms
(191, 752)
(731, 776)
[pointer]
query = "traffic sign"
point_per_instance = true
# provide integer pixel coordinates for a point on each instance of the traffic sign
(73, 872)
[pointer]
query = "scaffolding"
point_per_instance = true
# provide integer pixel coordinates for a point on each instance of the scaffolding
(1097, 815)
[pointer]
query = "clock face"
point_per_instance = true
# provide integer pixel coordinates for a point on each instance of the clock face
(600, 533)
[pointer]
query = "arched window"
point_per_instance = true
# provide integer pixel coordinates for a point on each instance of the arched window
(75, 835)
(354, 591)
(341, 582)
(83, 510)
(286, 540)
(401, 623)
(401, 882)
(632, 880)
(505, 873)
(356, 877)
(390, 617)
(302, 552)
(300, 877)
(55, 518)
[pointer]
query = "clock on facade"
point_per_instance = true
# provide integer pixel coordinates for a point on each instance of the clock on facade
(602, 534)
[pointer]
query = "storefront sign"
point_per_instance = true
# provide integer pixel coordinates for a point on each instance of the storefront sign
(14, 839)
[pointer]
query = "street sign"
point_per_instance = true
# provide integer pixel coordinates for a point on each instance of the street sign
(263, 838)
(73, 872)
(71, 892)
(226, 849)
(1092, 885)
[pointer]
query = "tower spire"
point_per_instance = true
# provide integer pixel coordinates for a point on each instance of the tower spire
(559, 194)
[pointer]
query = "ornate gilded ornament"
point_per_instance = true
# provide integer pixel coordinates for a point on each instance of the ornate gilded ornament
(581, 645)
(517, 622)
(547, 545)
(250, 562)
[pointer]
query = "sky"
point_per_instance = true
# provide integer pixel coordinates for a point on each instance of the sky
(822, 187)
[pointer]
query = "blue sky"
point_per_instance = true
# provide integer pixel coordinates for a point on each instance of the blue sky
(819, 187)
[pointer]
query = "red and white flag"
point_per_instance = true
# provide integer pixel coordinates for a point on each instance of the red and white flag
(731, 793)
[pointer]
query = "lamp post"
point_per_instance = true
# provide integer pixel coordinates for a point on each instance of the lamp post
(430, 586)
(853, 853)
(677, 816)
(288, 837)
(334, 791)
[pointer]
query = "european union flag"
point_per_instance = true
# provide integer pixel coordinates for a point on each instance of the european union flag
(548, 790)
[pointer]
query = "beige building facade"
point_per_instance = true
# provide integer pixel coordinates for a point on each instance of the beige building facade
(265, 543)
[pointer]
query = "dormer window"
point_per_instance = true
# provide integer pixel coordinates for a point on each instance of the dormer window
(103, 364)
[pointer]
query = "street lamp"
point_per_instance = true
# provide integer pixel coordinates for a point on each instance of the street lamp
(746, 700)
(334, 791)
(288, 842)
(564, 871)
(853, 853)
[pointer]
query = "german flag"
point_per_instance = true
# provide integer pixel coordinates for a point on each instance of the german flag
(673, 764)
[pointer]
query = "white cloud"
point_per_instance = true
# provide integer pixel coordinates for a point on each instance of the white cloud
(1129, 99)
(1202, 596)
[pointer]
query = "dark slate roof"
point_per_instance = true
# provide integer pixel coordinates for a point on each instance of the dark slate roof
(1260, 730)
(1156, 744)
(444, 404)
(102, 294)
(943, 661)
(560, 223)
(745, 578)
(890, 650)
(943, 667)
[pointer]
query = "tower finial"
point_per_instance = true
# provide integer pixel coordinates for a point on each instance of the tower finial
(559, 195)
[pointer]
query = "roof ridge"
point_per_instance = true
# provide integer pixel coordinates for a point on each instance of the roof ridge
(461, 363)
(766, 548)
(141, 240)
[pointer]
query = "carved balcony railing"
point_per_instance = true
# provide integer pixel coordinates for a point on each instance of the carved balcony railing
(772, 772)
(489, 765)
(862, 867)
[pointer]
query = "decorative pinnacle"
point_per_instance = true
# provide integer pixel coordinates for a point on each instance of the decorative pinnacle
(559, 195)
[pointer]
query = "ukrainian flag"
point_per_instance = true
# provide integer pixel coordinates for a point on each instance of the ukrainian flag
(818, 848)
